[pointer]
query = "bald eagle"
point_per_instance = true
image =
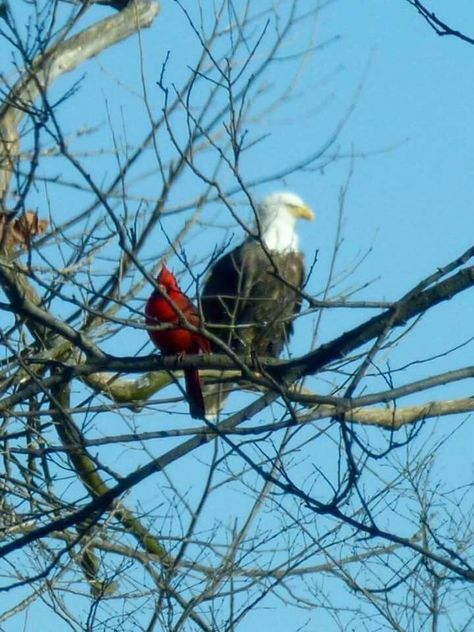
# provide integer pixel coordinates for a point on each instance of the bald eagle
(251, 294)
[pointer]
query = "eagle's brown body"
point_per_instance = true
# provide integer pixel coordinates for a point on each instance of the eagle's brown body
(251, 297)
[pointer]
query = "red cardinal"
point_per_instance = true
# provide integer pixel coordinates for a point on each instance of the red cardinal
(161, 308)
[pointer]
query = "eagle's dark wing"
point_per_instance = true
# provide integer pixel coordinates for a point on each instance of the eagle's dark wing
(250, 299)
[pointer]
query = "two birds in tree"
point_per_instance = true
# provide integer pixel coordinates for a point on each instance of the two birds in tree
(249, 300)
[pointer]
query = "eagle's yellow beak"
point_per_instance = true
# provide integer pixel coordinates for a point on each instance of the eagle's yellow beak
(303, 212)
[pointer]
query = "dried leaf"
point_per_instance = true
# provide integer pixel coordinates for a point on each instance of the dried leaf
(18, 232)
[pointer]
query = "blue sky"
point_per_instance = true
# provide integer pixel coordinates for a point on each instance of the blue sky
(409, 201)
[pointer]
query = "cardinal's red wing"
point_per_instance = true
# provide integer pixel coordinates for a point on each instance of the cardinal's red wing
(177, 340)
(190, 312)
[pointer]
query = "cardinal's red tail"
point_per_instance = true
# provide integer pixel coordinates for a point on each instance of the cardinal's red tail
(194, 393)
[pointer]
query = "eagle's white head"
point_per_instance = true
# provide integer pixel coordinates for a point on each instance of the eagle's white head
(277, 215)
